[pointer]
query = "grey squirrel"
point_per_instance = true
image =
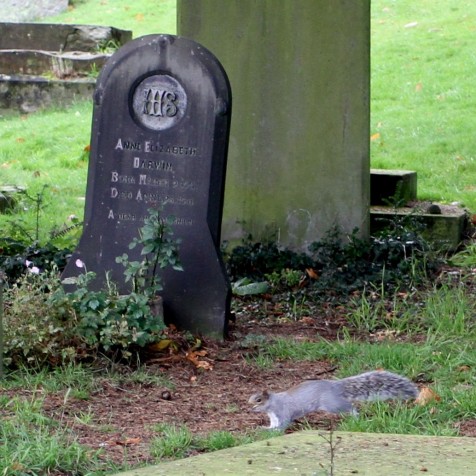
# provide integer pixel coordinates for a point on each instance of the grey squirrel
(333, 396)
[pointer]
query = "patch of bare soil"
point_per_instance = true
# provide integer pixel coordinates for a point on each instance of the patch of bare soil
(118, 418)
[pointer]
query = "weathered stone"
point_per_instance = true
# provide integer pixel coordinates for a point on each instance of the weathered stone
(30, 93)
(299, 144)
(60, 37)
(162, 108)
(48, 63)
(392, 186)
(8, 196)
(27, 10)
(445, 229)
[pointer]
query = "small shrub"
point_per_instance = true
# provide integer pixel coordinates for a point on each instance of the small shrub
(36, 330)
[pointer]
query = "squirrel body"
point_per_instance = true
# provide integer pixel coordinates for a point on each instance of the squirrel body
(332, 396)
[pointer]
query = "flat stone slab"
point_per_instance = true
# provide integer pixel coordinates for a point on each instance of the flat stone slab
(29, 93)
(307, 453)
(60, 37)
(445, 229)
(60, 65)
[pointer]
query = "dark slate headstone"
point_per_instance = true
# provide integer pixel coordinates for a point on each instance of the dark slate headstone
(162, 110)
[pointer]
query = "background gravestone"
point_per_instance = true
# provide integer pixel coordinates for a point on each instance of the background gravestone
(299, 143)
(161, 117)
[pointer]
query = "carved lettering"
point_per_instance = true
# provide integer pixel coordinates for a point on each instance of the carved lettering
(127, 179)
(127, 145)
(159, 103)
(139, 163)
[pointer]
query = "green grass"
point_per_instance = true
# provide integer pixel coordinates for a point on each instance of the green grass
(423, 94)
(422, 101)
(423, 119)
(142, 17)
(34, 444)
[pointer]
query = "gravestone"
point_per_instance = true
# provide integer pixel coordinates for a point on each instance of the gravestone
(162, 109)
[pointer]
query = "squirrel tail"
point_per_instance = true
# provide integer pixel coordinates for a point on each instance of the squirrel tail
(378, 385)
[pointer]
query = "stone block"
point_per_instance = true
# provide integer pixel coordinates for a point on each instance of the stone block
(60, 37)
(392, 186)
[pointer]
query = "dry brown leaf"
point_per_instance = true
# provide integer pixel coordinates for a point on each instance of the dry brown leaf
(426, 396)
(194, 358)
(312, 273)
(139, 17)
(464, 368)
(129, 442)
(375, 136)
(203, 364)
(419, 87)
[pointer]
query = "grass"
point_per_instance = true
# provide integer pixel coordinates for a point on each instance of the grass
(423, 95)
(421, 99)
(35, 444)
(422, 119)
(142, 17)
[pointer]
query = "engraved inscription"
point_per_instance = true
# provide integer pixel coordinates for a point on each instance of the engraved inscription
(159, 102)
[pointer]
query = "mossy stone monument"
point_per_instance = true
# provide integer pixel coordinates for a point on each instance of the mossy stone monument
(299, 143)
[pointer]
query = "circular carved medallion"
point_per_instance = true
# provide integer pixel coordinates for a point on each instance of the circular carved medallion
(159, 102)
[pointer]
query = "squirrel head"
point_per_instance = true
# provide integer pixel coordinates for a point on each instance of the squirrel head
(259, 401)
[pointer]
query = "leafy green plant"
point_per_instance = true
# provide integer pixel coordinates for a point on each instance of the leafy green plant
(256, 260)
(158, 251)
(108, 321)
(114, 322)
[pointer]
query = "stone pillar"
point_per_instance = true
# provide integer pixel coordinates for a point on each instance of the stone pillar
(298, 160)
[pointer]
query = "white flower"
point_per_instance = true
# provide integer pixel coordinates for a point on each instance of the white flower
(79, 263)
(34, 270)
(27, 263)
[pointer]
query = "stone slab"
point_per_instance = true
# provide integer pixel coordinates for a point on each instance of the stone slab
(30, 93)
(162, 109)
(389, 186)
(47, 63)
(307, 453)
(60, 37)
(444, 230)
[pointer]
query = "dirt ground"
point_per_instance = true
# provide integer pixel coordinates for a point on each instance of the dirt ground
(206, 397)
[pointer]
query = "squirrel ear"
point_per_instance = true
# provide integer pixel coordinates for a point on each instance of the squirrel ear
(265, 394)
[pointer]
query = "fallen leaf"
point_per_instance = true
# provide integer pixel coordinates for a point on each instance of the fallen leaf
(194, 358)
(464, 368)
(139, 17)
(20, 140)
(312, 273)
(131, 441)
(418, 87)
(413, 24)
(375, 136)
(426, 396)
(203, 364)
(161, 345)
